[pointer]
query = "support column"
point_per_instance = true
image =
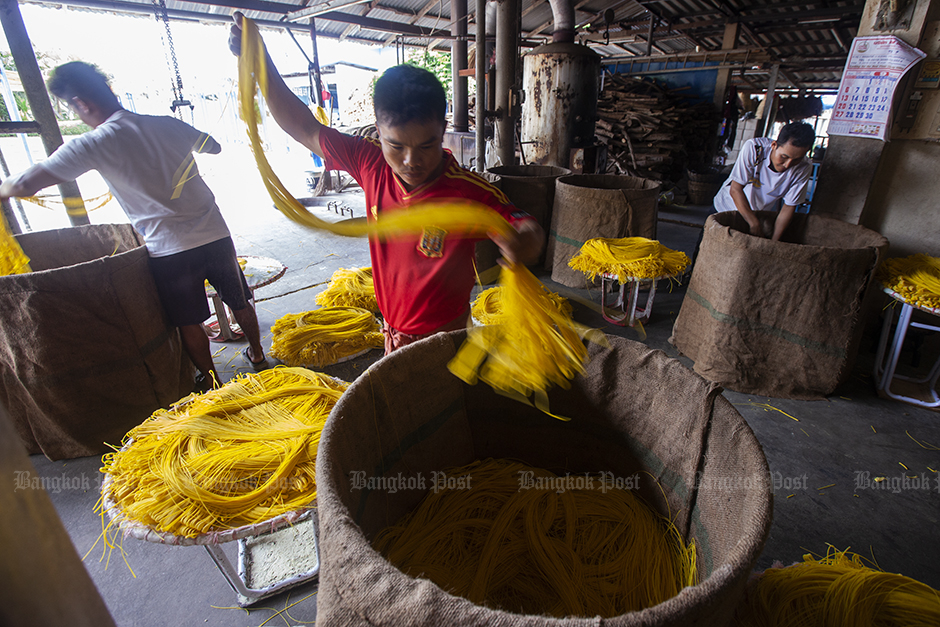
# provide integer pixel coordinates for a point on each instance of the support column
(480, 113)
(38, 97)
(458, 59)
(766, 123)
(730, 42)
(507, 53)
(318, 83)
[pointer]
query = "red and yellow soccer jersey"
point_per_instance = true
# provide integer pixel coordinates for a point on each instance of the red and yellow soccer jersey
(421, 282)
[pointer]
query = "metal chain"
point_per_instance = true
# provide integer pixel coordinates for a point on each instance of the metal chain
(159, 10)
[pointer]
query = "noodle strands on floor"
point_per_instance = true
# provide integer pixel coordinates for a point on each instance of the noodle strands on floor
(350, 288)
(324, 336)
(837, 590)
(234, 456)
(543, 549)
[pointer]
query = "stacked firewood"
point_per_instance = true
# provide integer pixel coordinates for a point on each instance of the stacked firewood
(652, 131)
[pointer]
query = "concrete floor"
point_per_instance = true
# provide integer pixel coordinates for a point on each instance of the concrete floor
(824, 449)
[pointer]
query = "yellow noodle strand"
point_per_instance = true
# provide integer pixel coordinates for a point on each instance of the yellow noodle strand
(536, 347)
(628, 258)
(837, 590)
(52, 201)
(487, 307)
(12, 258)
(543, 549)
(324, 336)
(915, 278)
(234, 456)
(350, 288)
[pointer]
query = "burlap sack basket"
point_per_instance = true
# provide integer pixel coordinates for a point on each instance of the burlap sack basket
(780, 319)
(86, 351)
(635, 413)
(597, 205)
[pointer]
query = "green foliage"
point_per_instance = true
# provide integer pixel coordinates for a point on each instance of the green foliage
(74, 128)
(438, 63)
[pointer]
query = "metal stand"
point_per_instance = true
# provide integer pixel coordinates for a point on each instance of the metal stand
(885, 369)
(239, 579)
(628, 308)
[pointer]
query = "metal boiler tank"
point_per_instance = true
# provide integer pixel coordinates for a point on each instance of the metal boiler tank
(561, 82)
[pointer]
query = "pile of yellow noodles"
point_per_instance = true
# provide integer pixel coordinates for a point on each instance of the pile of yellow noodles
(536, 347)
(916, 278)
(324, 336)
(350, 288)
(628, 257)
(234, 456)
(837, 591)
(541, 550)
(487, 307)
(12, 258)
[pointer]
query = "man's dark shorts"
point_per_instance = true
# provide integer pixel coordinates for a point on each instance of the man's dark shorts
(181, 281)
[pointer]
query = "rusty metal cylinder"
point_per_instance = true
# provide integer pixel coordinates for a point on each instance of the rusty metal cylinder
(561, 82)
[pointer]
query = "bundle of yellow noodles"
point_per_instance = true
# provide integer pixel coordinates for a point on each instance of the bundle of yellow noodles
(837, 591)
(636, 257)
(487, 307)
(916, 278)
(541, 550)
(12, 258)
(234, 456)
(536, 347)
(350, 288)
(324, 336)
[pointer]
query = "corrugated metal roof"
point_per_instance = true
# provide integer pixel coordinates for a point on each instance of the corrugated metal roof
(808, 39)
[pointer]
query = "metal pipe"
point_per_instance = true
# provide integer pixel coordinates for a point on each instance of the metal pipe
(459, 63)
(38, 97)
(507, 28)
(316, 63)
(563, 18)
(480, 113)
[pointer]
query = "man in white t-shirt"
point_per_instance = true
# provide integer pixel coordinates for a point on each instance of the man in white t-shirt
(147, 162)
(767, 171)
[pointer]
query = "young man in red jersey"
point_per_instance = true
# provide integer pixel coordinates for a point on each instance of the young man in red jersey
(422, 284)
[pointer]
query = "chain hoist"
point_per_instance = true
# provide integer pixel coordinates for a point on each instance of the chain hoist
(159, 13)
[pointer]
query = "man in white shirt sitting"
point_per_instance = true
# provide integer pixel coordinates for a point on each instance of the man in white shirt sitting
(767, 171)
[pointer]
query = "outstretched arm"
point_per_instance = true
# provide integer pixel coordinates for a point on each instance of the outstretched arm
(28, 182)
(783, 220)
(289, 111)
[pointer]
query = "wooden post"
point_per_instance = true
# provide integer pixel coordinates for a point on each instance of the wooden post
(730, 42)
(39, 104)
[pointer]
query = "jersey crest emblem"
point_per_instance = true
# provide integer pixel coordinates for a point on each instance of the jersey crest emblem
(432, 242)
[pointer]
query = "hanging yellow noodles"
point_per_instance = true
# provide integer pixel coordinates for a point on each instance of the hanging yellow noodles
(72, 205)
(916, 278)
(487, 307)
(350, 288)
(234, 456)
(837, 591)
(536, 347)
(324, 336)
(628, 257)
(12, 258)
(541, 550)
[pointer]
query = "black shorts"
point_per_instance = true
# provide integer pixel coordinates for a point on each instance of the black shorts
(181, 281)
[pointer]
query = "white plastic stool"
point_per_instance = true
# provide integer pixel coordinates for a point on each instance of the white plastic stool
(627, 298)
(885, 369)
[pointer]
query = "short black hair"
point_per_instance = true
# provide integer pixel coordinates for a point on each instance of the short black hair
(407, 93)
(800, 134)
(84, 80)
